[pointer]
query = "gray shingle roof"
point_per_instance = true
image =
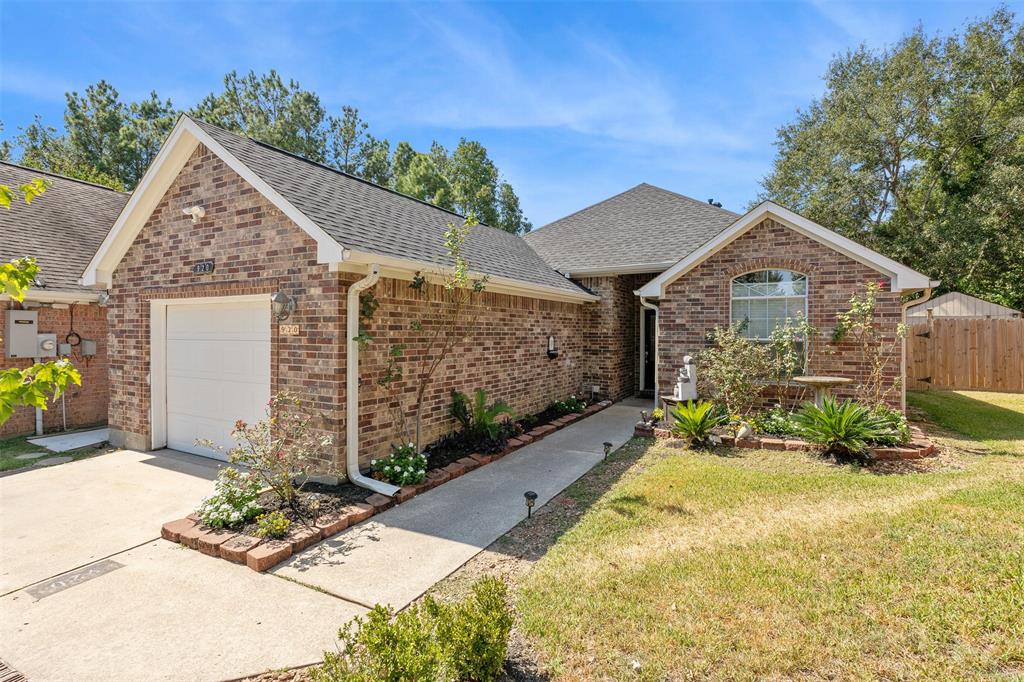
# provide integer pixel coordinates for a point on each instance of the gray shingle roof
(643, 225)
(61, 229)
(366, 217)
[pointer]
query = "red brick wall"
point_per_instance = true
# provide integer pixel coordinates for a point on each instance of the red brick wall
(614, 349)
(259, 250)
(699, 301)
(84, 405)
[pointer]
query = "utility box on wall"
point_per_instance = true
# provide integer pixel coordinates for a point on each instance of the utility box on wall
(23, 339)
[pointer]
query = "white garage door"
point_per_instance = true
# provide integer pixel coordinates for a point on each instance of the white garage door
(218, 371)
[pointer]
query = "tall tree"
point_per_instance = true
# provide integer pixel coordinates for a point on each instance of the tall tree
(267, 109)
(346, 135)
(918, 151)
(146, 126)
(474, 181)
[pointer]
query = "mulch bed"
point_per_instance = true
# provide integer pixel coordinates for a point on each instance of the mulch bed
(322, 511)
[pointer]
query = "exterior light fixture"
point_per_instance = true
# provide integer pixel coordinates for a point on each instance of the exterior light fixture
(607, 449)
(282, 305)
(531, 499)
(552, 353)
(194, 212)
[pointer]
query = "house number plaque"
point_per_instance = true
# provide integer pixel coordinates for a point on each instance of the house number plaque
(203, 267)
(289, 329)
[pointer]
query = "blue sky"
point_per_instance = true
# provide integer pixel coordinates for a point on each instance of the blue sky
(575, 102)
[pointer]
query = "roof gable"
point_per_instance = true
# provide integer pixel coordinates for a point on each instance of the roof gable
(644, 229)
(354, 222)
(61, 229)
(903, 278)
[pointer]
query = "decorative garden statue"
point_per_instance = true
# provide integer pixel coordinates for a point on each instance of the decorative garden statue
(686, 382)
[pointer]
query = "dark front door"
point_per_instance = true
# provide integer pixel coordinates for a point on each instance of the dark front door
(650, 341)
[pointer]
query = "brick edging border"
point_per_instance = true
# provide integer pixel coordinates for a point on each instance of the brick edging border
(260, 555)
(920, 446)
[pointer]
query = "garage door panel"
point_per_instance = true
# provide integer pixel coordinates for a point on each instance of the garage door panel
(218, 371)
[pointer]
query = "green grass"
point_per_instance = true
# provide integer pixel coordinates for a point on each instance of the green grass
(10, 448)
(779, 565)
(994, 419)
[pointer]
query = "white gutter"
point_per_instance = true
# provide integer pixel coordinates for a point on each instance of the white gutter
(657, 319)
(352, 388)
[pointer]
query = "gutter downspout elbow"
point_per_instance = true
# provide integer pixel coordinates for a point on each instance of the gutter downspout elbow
(352, 388)
(657, 321)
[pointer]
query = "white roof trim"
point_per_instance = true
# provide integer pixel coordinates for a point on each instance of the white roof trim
(40, 295)
(903, 278)
(176, 151)
(627, 269)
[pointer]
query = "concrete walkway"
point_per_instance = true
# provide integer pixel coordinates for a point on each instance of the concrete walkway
(396, 556)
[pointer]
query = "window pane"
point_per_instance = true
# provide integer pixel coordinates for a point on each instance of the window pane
(740, 310)
(758, 328)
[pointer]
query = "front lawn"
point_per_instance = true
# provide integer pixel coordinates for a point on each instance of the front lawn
(994, 419)
(757, 564)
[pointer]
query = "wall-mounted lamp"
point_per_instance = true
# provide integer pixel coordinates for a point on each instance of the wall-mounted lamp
(552, 353)
(531, 499)
(196, 212)
(282, 305)
(104, 298)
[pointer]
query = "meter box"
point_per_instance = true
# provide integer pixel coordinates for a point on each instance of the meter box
(23, 339)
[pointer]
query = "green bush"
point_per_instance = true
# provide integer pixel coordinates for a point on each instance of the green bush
(695, 421)
(843, 429)
(404, 466)
(272, 525)
(478, 418)
(235, 500)
(570, 405)
(775, 422)
(897, 423)
(434, 641)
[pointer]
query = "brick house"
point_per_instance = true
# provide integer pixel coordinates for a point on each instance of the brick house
(61, 229)
(221, 224)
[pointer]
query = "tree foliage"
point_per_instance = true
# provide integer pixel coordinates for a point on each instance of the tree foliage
(111, 142)
(918, 151)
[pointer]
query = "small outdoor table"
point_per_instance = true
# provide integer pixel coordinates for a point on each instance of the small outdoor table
(822, 386)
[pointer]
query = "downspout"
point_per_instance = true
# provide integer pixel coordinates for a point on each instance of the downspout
(352, 388)
(657, 344)
(39, 410)
(903, 348)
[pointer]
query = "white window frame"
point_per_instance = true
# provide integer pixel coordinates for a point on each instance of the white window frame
(806, 297)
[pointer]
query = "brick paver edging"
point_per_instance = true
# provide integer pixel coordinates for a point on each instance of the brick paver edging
(919, 446)
(260, 555)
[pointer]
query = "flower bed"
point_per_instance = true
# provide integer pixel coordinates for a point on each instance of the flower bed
(338, 507)
(918, 447)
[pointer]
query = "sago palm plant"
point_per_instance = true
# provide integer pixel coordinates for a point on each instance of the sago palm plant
(843, 430)
(695, 421)
(479, 418)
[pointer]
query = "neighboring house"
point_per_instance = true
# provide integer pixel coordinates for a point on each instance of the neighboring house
(955, 304)
(221, 223)
(60, 229)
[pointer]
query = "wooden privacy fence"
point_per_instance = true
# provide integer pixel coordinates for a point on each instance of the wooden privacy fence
(965, 353)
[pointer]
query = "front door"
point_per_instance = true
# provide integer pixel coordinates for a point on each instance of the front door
(650, 348)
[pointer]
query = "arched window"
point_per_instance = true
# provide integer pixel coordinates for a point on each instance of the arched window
(764, 299)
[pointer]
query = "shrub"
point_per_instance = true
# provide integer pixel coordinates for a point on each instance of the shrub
(465, 640)
(734, 370)
(897, 422)
(568, 406)
(477, 418)
(695, 421)
(278, 448)
(234, 500)
(776, 422)
(657, 414)
(877, 348)
(843, 429)
(272, 525)
(404, 466)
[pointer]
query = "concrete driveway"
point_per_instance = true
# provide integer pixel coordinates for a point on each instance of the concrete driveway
(90, 593)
